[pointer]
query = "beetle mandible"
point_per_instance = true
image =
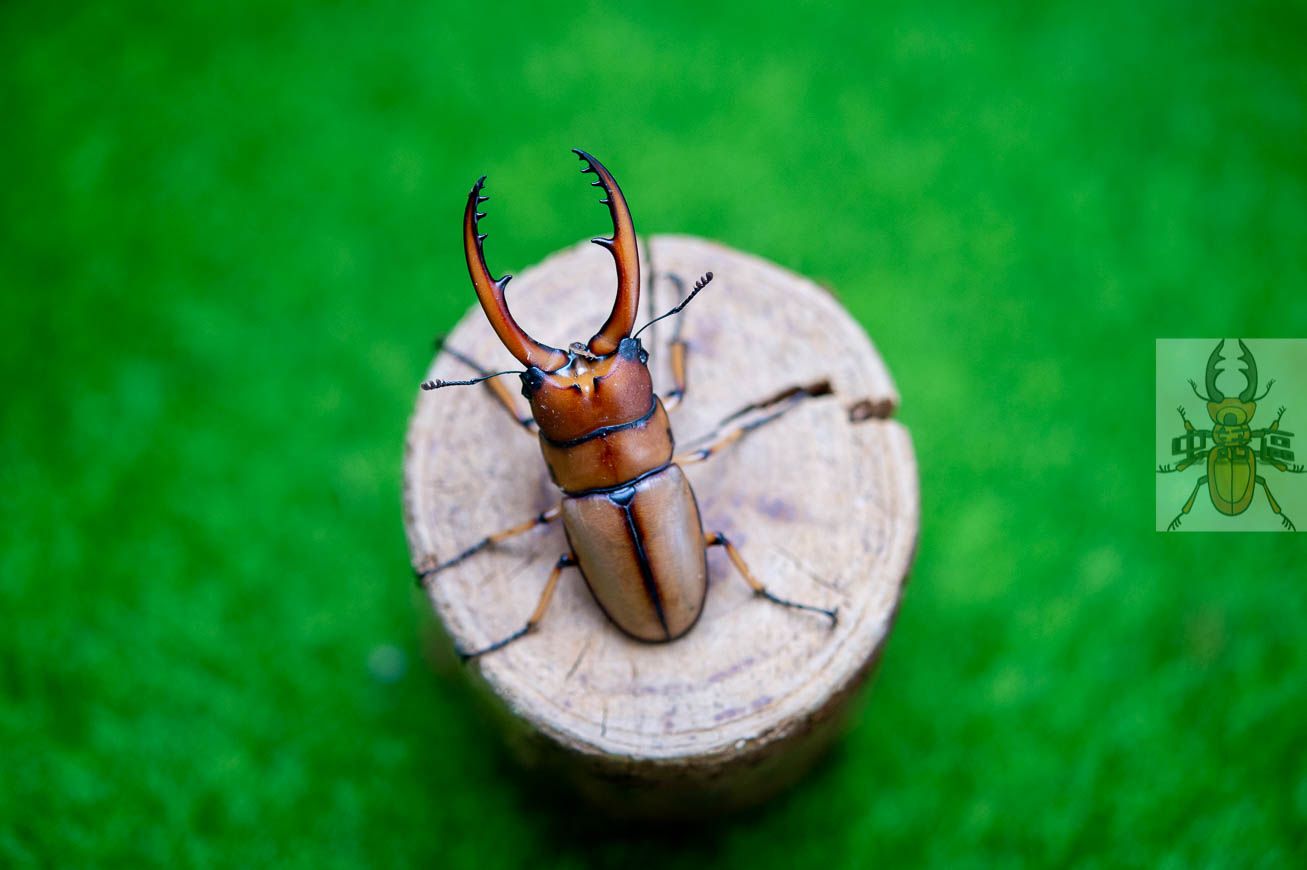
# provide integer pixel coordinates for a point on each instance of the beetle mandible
(1232, 476)
(630, 517)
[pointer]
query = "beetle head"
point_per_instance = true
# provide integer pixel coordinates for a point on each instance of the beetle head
(1232, 410)
(590, 391)
(590, 384)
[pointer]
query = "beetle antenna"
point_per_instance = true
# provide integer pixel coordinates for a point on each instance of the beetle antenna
(698, 285)
(437, 383)
(1269, 384)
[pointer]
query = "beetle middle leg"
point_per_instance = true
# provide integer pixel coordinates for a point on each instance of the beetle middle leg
(1188, 506)
(1185, 463)
(728, 431)
(540, 519)
(567, 560)
(717, 539)
(1275, 506)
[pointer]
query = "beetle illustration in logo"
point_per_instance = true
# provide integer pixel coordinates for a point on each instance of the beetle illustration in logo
(1232, 476)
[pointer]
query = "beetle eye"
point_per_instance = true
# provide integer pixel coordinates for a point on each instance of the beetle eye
(631, 348)
(532, 379)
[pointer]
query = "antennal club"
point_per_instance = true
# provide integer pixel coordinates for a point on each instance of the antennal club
(438, 383)
(698, 285)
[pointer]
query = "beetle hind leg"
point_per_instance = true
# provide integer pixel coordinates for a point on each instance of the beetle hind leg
(1275, 506)
(1188, 506)
(565, 561)
(717, 539)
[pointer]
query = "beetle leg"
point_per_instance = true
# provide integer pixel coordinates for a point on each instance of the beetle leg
(1188, 506)
(565, 561)
(717, 539)
(676, 349)
(725, 435)
(497, 388)
(1275, 506)
(540, 519)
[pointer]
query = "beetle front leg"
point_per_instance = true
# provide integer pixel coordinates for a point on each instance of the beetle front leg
(540, 519)
(724, 435)
(497, 389)
(565, 561)
(717, 539)
(1188, 506)
(678, 350)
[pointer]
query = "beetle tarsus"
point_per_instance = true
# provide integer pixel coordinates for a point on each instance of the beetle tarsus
(831, 613)
(466, 656)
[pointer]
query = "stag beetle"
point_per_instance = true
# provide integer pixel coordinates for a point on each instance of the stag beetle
(1232, 476)
(631, 519)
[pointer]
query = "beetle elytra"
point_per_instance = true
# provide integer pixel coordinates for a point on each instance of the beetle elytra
(630, 517)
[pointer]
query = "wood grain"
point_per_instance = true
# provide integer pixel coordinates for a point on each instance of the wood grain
(823, 504)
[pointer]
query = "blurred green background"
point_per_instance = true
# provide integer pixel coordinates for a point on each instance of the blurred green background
(231, 233)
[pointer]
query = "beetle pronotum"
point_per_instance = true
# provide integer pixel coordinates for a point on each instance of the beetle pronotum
(631, 519)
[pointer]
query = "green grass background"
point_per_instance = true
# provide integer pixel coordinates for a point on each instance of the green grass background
(230, 233)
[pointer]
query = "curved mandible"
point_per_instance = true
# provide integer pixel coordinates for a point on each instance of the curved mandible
(490, 292)
(1249, 373)
(1213, 394)
(625, 254)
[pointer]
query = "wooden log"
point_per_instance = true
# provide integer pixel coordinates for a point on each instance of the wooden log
(823, 504)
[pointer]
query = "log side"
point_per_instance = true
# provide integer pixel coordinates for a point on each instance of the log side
(823, 504)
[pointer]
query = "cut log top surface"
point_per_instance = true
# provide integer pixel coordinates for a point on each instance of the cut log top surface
(823, 505)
